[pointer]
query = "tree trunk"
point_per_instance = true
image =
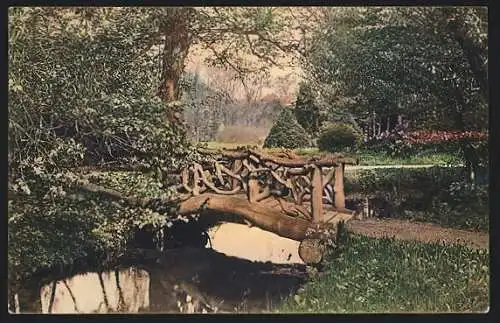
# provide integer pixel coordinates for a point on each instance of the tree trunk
(471, 161)
(264, 217)
(469, 152)
(374, 124)
(176, 46)
(261, 216)
(474, 53)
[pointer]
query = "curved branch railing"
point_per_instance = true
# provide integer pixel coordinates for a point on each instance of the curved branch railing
(307, 183)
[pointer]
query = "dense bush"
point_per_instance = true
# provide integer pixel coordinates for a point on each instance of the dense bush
(459, 205)
(438, 194)
(81, 92)
(397, 179)
(80, 226)
(286, 133)
(337, 137)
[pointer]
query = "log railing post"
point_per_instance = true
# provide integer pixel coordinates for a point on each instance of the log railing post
(237, 164)
(253, 188)
(196, 182)
(317, 194)
(339, 187)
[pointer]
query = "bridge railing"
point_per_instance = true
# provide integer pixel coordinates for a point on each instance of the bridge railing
(299, 186)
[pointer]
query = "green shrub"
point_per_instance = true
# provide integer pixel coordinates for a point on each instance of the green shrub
(43, 235)
(438, 194)
(462, 206)
(79, 96)
(307, 110)
(286, 133)
(337, 137)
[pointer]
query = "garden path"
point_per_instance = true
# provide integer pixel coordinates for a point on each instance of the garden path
(418, 231)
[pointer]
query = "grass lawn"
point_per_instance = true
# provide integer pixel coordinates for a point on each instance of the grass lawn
(385, 275)
(367, 158)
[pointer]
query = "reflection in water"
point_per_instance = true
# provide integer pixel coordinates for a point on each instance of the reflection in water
(177, 280)
(253, 243)
(183, 279)
(113, 291)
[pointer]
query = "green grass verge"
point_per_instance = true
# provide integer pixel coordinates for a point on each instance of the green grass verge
(370, 158)
(441, 159)
(366, 158)
(385, 275)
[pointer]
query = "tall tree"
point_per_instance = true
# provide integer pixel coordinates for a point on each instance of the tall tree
(408, 61)
(307, 110)
(401, 67)
(240, 38)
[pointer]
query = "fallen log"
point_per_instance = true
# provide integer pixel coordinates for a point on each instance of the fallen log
(265, 217)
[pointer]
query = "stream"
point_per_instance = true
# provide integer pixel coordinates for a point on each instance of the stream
(181, 280)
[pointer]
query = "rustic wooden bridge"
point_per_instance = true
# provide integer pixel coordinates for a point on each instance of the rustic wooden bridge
(297, 198)
(291, 196)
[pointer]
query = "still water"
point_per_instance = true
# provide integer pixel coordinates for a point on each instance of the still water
(250, 272)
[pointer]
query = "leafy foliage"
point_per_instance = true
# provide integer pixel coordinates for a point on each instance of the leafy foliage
(233, 34)
(399, 180)
(452, 141)
(80, 226)
(307, 111)
(337, 137)
(426, 64)
(447, 198)
(109, 110)
(384, 275)
(79, 96)
(459, 205)
(286, 132)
